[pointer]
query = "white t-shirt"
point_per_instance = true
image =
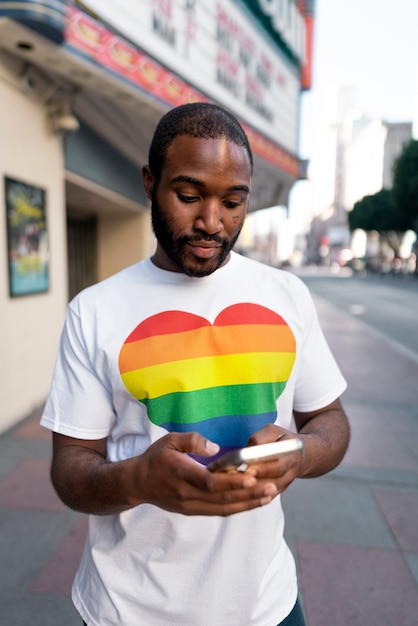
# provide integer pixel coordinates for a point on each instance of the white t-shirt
(149, 351)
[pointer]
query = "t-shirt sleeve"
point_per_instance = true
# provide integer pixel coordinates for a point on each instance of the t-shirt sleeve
(79, 403)
(319, 379)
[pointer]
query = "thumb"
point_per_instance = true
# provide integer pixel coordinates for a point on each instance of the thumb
(211, 448)
(200, 446)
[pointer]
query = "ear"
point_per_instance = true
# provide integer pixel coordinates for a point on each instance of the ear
(147, 181)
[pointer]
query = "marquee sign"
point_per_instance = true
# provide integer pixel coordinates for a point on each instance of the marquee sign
(90, 38)
(214, 46)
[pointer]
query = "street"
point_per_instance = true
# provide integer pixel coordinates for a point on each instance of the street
(388, 304)
(354, 532)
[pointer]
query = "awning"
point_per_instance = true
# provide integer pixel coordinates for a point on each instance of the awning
(97, 83)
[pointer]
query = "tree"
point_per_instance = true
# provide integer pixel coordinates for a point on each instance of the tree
(377, 212)
(405, 184)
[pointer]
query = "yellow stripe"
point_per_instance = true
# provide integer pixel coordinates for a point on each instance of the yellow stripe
(185, 376)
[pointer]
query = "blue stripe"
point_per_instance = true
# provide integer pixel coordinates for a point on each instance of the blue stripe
(227, 430)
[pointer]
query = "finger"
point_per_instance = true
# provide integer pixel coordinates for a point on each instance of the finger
(225, 510)
(269, 433)
(229, 502)
(192, 442)
(190, 471)
(200, 484)
(277, 467)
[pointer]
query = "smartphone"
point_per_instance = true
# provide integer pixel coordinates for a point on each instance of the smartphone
(239, 460)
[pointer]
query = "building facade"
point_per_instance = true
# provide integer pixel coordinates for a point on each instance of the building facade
(370, 156)
(357, 159)
(82, 86)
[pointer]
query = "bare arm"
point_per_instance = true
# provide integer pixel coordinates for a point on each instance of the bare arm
(164, 475)
(326, 435)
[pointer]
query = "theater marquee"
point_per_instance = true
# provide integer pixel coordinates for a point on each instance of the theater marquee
(219, 50)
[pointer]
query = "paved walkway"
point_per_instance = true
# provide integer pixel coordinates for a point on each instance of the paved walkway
(354, 532)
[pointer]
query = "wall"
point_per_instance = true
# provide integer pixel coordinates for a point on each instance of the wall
(30, 325)
(122, 241)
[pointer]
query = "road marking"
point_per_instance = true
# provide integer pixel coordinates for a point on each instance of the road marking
(395, 345)
(357, 309)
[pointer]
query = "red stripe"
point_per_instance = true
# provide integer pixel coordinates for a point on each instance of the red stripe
(174, 322)
(247, 313)
(167, 323)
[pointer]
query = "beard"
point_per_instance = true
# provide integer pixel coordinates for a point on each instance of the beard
(176, 248)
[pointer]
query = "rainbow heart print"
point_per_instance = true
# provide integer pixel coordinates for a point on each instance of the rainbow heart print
(219, 379)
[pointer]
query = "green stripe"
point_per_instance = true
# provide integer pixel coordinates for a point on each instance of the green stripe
(195, 406)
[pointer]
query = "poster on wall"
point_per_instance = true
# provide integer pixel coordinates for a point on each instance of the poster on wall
(27, 238)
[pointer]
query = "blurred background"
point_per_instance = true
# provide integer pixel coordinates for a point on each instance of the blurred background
(356, 120)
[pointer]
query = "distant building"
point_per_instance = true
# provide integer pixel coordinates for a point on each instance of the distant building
(370, 156)
(398, 136)
(358, 157)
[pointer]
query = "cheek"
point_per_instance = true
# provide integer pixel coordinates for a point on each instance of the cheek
(236, 219)
(175, 217)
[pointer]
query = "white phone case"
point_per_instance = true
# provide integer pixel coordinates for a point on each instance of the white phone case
(242, 458)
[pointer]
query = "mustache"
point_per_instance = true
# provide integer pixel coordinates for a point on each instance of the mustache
(204, 237)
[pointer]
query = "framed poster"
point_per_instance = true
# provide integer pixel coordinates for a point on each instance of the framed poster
(27, 238)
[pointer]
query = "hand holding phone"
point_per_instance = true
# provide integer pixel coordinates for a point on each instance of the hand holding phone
(239, 460)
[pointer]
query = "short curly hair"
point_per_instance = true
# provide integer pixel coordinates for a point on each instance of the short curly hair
(198, 119)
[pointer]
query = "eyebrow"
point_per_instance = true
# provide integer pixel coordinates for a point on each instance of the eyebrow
(199, 183)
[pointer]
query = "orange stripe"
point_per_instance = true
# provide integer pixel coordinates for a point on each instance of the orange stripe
(204, 342)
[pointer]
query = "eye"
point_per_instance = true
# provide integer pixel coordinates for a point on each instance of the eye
(184, 198)
(231, 204)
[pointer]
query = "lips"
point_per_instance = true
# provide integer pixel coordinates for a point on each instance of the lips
(204, 249)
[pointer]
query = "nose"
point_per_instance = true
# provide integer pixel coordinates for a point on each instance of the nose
(209, 217)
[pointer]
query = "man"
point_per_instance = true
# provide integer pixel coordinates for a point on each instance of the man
(171, 362)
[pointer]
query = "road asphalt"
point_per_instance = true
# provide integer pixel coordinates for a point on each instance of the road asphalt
(354, 532)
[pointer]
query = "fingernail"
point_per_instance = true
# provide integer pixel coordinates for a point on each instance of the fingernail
(249, 481)
(211, 447)
(270, 491)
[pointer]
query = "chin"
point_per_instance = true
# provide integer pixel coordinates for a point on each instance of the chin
(199, 271)
(194, 268)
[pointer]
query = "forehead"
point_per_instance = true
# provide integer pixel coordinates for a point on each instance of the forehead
(207, 157)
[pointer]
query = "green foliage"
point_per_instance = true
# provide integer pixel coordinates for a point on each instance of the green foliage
(377, 212)
(394, 210)
(405, 184)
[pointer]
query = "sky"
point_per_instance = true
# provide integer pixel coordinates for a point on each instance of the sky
(372, 46)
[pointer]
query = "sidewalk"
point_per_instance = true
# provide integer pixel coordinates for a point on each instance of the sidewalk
(354, 532)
